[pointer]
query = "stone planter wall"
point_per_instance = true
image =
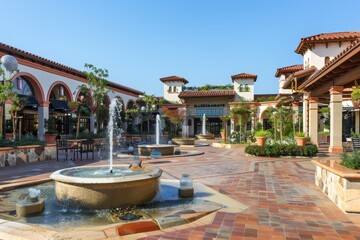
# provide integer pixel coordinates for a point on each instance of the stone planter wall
(340, 184)
(26, 154)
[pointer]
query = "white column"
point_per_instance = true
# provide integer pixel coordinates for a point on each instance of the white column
(43, 113)
(313, 119)
(305, 113)
(336, 119)
(92, 123)
(357, 119)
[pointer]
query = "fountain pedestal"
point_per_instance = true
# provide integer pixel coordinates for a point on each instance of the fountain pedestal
(25, 208)
(164, 149)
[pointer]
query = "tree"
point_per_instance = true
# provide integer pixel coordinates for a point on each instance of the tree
(150, 105)
(97, 86)
(241, 115)
(175, 116)
(9, 93)
(225, 119)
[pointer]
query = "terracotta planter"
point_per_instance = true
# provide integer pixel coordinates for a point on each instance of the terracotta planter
(300, 141)
(50, 138)
(222, 135)
(261, 141)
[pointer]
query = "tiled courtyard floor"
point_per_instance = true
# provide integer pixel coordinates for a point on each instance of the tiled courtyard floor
(283, 201)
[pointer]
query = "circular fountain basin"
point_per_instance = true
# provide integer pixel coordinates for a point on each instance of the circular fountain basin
(184, 141)
(164, 149)
(96, 187)
(205, 136)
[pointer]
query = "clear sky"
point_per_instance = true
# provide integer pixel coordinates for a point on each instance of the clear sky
(205, 42)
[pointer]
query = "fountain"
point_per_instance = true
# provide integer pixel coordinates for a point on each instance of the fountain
(107, 186)
(31, 204)
(163, 149)
(204, 135)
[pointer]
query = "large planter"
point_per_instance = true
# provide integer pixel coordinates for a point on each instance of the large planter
(261, 141)
(50, 138)
(222, 134)
(300, 141)
(183, 141)
(13, 156)
(340, 184)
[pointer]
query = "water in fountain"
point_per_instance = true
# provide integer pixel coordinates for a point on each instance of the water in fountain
(204, 125)
(114, 110)
(158, 122)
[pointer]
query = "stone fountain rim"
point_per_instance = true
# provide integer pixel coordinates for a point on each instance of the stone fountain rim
(157, 146)
(152, 173)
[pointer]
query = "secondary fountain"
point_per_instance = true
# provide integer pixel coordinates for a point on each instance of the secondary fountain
(204, 135)
(163, 149)
(107, 186)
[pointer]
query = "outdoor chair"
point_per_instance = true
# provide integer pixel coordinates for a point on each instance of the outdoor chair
(62, 145)
(87, 146)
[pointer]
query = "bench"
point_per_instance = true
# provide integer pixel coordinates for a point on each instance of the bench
(65, 146)
(87, 146)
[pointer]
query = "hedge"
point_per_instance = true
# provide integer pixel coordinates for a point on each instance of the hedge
(276, 150)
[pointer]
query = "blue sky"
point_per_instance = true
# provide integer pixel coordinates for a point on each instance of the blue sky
(205, 42)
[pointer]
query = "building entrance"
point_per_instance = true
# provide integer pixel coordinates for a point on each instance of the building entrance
(213, 125)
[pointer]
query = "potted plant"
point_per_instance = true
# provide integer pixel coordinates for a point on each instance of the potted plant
(300, 138)
(222, 133)
(355, 96)
(261, 137)
(51, 133)
(234, 137)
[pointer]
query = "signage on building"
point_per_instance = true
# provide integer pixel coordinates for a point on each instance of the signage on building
(209, 105)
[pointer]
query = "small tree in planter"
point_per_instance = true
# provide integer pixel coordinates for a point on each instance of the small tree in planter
(261, 137)
(175, 116)
(355, 96)
(51, 133)
(300, 138)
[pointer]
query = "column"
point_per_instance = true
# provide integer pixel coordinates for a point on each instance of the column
(305, 113)
(313, 119)
(43, 113)
(92, 123)
(295, 108)
(357, 119)
(336, 118)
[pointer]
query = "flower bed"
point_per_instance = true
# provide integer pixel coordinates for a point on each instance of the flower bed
(282, 150)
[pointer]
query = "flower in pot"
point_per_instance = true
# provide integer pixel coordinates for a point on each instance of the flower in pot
(51, 133)
(261, 137)
(355, 96)
(300, 138)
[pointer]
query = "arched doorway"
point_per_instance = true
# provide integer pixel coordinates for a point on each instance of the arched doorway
(59, 114)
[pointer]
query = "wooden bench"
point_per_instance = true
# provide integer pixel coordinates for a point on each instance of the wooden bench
(86, 146)
(66, 147)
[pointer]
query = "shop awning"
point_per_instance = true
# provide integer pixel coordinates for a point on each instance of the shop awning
(59, 105)
(31, 101)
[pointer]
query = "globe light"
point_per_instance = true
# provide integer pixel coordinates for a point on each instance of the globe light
(10, 63)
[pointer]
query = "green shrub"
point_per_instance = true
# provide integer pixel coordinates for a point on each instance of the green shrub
(300, 134)
(351, 161)
(276, 150)
(261, 133)
(24, 141)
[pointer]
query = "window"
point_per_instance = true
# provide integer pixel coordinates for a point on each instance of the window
(247, 88)
(241, 88)
(174, 89)
(169, 90)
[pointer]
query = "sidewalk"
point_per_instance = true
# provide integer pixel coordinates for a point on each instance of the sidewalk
(283, 201)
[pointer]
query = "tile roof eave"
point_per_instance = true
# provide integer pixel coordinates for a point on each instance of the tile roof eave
(35, 58)
(340, 58)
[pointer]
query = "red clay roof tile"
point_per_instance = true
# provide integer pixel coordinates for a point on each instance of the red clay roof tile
(289, 69)
(211, 93)
(174, 78)
(244, 75)
(326, 37)
(37, 59)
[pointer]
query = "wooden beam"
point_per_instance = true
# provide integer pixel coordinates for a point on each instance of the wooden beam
(342, 80)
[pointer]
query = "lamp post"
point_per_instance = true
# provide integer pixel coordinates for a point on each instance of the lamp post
(11, 65)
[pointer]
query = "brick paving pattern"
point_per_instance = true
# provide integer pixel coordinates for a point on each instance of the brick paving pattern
(283, 201)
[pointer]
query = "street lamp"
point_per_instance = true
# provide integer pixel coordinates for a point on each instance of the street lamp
(11, 64)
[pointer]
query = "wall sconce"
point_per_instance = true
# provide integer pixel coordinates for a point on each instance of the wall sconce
(295, 90)
(19, 83)
(61, 91)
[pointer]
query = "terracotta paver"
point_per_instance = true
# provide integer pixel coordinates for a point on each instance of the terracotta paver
(283, 201)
